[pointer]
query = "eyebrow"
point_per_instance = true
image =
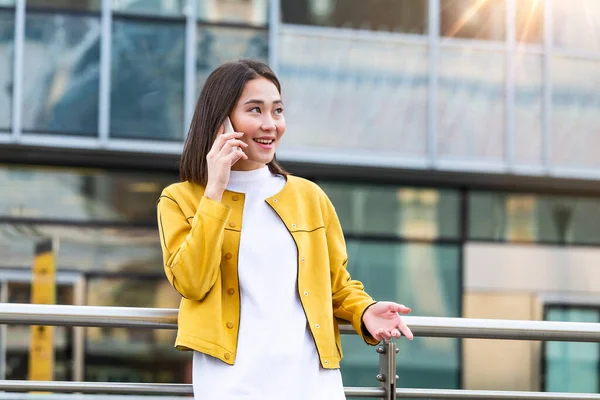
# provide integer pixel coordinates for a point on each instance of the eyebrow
(255, 101)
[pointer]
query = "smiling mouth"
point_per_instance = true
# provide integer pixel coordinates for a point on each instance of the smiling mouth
(264, 141)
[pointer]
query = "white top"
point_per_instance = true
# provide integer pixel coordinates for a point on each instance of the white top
(276, 354)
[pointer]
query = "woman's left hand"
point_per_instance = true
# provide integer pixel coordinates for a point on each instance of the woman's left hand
(383, 321)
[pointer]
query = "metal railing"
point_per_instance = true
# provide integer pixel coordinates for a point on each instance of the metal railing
(153, 318)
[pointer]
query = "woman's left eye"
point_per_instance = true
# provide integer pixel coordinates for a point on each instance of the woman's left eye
(279, 111)
(255, 109)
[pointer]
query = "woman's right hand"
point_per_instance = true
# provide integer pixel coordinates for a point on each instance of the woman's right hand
(219, 160)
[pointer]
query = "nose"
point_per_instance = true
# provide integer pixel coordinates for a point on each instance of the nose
(268, 124)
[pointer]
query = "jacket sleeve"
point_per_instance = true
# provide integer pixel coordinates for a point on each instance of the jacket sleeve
(350, 301)
(191, 250)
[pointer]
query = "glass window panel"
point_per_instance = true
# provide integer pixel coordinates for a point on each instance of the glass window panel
(216, 45)
(534, 218)
(7, 33)
(61, 73)
(575, 112)
(405, 212)
(147, 79)
(133, 354)
(471, 104)
(80, 195)
(251, 12)
(571, 367)
(359, 96)
(426, 278)
(131, 250)
(79, 5)
(7, 3)
(152, 7)
(19, 337)
(530, 21)
(576, 24)
(407, 16)
(528, 109)
(473, 19)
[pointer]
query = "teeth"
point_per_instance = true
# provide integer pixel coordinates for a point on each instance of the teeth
(263, 141)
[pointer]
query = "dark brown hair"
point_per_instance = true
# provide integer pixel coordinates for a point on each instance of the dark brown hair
(219, 96)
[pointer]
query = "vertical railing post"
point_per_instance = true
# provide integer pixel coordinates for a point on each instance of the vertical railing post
(387, 368)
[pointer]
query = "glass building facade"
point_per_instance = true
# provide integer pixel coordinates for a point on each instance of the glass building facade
(410, 87)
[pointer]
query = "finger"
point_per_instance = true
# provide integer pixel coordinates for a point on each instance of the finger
(235, 156)
(386, 334)
(230, 144)
(223, 138)
(405, 330)
(395, 333)
(221, 130)
(402, 309)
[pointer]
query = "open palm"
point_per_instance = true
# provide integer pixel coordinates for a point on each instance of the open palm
(383, 320)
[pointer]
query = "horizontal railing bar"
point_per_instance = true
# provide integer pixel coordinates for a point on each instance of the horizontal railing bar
(490, 394)
(166, 318)
(80, 396)
(137, 388)
(185, 389)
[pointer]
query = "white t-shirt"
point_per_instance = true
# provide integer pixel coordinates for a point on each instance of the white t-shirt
(276, 357)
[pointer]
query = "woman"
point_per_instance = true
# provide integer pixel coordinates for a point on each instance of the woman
(258, 255)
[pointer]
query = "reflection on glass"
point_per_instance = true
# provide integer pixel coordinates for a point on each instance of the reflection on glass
(576, 24)
(61, 73)
(132, 250)
(473, 19)
(216, 45)
(426, 277)
(152, 7)
(416, 213)
(528, 109)
(132, 355)
(360, 95)
(250, 12)
(7, 31)
(571, 367)
(78, 5)
(534, 218)
(80, 195)
(530, 21)
(147, 80)
(407, 16)
(7, 3)
(470, 108)
(575, 112)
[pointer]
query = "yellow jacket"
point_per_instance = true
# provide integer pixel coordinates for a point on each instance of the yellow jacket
(200, 240)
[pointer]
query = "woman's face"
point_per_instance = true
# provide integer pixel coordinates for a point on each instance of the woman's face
(259, 115)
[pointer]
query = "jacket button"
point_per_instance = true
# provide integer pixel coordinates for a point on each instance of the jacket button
(302, 259)
(230, 325)
(275, 200)
(293, 225)
(227, 356)
(228, 256)
(317, 326)
(235, 198)
(231, 291)
(232, 224)
(306, 293)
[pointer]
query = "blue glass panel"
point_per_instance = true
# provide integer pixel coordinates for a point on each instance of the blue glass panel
(61, 73)
(424, 277)
(217, 45)
(147, 79)
(7, 32)
(572, 367)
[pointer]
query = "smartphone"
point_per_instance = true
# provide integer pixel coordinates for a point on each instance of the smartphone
(229, 129)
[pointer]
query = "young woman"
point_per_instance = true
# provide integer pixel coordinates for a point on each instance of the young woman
(258, 255)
